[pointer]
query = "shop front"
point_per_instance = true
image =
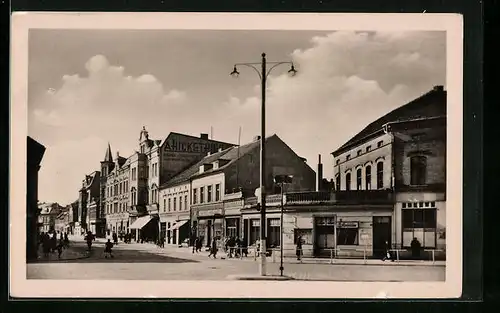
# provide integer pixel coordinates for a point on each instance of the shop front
(178, 231)
(210, 225)
(146, 228)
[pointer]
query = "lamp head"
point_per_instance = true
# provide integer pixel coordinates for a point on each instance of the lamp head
(292, 71)
(235, 72)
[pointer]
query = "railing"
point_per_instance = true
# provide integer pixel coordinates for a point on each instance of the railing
(364, 255)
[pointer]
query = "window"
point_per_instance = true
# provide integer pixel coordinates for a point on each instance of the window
(134, 173)
(217, 192)
(202, 194)
(420, 224)
(380, 175)
(180, 203)
(418, 170)
(169, 204)
(195, 198)
(348, 181)
(337, 182)
(175, 204)
(185, 202)
(209, 193)
(368, 177)
(380, 143)
(273, 232)
(164, 205)
(254, 231)
(359, 179)
(347, 236)
(359, 152)
(368, 148)
(232, 227)
(348, 157)
(337, 162)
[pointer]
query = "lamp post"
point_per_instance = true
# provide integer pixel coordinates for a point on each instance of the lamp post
(281, 180)
(263, 74)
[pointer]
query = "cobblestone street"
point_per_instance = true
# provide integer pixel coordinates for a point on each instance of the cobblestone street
(147, 262)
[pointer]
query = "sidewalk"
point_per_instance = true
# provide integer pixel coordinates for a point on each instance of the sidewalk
(187, 251)
(68, 254)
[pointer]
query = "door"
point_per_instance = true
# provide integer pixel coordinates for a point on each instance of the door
(382, 229)
(324, 236)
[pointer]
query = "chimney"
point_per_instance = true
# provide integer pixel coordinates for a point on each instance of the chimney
(204, 136)
(256, 138)
(319, 175)
(438, 88)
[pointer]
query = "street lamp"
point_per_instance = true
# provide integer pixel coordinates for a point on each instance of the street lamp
(263, 74)
(281, 180)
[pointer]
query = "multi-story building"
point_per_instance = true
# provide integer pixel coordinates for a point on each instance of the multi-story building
(61, 222)
(141, 174)
(72, 217)
(89, 193)
(217, 184)
(35, 153)
(390, 186)
(47, 216)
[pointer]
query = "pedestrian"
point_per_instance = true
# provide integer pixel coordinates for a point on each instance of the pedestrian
(66, 240)
(244, 246)
(195, 244)
(59, 248)
(298, 249)
(387, 254)
(89, 238)
(199, 245)
(115, 238)
(213, 249)
(237, 247)
(108, 249)
(46, 245)
(415, 248)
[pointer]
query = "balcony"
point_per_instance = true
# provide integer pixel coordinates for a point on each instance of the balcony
(327, 198)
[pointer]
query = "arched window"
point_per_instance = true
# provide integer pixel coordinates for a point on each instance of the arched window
(337, 182)
(348, 181)
(368, 177)
(380, 175)
(359, 179)
(418, 169)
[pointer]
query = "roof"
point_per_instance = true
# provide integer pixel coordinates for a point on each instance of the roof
(431, 104)
(108, 157)
(231, 154)
(194, 137)
(35, 151)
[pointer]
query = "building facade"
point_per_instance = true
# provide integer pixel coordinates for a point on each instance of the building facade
(47, 216)
(89, 194)
(35, 152)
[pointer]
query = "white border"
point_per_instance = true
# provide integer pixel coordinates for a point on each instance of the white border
(22, 22)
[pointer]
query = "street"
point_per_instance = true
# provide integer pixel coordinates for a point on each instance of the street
(148, 262)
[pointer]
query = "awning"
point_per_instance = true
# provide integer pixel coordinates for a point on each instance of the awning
(177, 225)
(140, 222)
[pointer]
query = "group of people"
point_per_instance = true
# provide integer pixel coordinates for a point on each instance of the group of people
(53, 241)
(415, 247)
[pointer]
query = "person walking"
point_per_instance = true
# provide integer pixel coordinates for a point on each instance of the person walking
(195, 244)
(415, 248)
(298, 249)
(213, 249)
(108, 249)
(387, 255)
(89, 238)
(199, 245)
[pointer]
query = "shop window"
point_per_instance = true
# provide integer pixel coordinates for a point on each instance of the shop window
(348, 181)
(359, 179)
(273, 232)
(420, 224)
(232, 227)
(368, 177)
(380, 175)
(254, 231)
(347, 236)
(418, 170)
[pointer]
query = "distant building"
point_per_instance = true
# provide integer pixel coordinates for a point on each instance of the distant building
(130, 186)
(35, 153)
(87, 216)
(47, 216)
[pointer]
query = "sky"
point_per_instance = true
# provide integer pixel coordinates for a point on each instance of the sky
(88, 88)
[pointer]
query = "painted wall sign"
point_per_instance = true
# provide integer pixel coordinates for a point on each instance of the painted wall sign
(192, 145)
(209, 212)
(348, 224)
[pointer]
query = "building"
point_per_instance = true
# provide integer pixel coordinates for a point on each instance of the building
(139, 178)
(88, 220)
(35, 152)
(219, 183)
(47, 216)
(72, 217)
(62, 220)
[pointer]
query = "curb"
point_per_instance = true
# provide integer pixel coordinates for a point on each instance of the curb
(268, 278)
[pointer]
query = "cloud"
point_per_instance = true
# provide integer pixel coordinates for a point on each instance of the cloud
(345, 81)
(48, 117)
(104, 90)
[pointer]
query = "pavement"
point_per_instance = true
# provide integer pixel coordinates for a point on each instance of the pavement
(137, 261)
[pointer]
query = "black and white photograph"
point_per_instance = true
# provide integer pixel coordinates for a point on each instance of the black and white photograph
(203, 155)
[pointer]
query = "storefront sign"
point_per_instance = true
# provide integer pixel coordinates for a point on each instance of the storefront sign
(206, 213)
(348, 225)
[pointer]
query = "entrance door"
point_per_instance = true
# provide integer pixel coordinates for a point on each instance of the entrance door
(325, 236)
(382, 229)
